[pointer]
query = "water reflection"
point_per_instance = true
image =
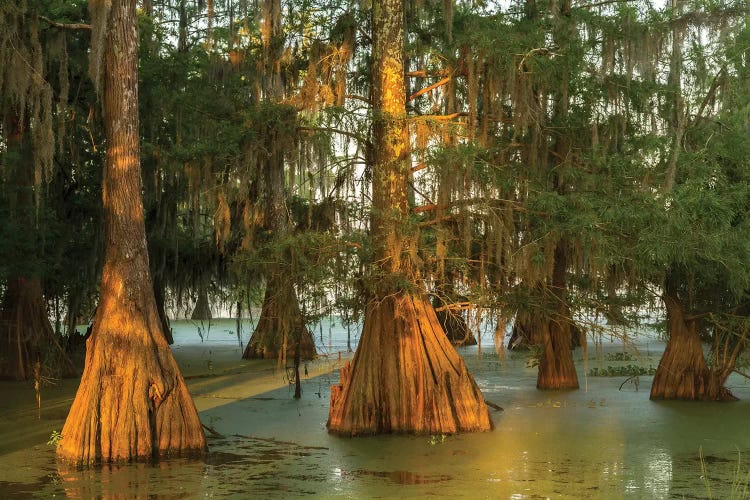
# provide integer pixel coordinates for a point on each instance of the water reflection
(604, 443)
(159, 480)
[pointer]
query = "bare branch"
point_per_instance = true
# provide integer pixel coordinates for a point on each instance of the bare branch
(64, 25)
(430, 87)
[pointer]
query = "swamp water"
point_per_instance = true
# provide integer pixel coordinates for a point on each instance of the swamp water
(598, 442)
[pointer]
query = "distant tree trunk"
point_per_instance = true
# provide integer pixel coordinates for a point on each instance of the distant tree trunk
(527, 331)
(202, 309)
(280, 325)
(132, 402)
(455, 327)
(683, 372)
(405, 375)
(451, 320)
(26, 334)
(281, 322)
(556, 368)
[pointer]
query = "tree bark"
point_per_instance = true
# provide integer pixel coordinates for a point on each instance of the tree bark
(405, 375)
(132, 402)
(527, 331)
(683, 372)
(556, 368)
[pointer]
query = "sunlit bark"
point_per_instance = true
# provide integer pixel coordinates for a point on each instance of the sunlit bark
(132, 402)
(405, 375)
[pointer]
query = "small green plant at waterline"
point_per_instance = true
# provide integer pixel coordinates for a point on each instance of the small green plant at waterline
(437, 439)
(619, 356)
(54, 438)
(622, 371)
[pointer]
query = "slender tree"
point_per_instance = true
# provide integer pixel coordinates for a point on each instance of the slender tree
(132, 402)
(405, 375)
(281, 330)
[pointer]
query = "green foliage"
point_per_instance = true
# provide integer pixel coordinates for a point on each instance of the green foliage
(621, 371)
(54, 438)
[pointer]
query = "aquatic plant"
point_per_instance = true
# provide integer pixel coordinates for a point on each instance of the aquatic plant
(621, 371)
(54, 438)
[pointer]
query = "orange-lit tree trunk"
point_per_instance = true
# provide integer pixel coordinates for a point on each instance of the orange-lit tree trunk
(683, 372)
(405, 375)
(281, 322)
(132, 402)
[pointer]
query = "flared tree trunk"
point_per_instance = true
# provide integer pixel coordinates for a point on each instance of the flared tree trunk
(202, 309)
(132, 402)
(280, 326)
(683, 372)
(405, 375)
(556, 368)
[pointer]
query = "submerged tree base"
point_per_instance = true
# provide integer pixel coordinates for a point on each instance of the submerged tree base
(556, 368)
(405, 377)
(281, 328)
(683, 372)
(132, 403)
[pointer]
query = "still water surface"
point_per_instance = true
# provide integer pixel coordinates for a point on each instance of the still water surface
(597, 442)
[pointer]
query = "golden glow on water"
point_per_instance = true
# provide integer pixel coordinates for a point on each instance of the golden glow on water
(603, 443)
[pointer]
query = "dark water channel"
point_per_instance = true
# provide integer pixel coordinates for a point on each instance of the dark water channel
(597, 442)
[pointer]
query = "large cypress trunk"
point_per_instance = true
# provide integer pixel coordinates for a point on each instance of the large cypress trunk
(132, 402)
(280, 327)
(683, 372)
(405, 375)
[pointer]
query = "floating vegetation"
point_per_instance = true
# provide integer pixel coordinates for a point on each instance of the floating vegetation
(618, 356)
(621, 371)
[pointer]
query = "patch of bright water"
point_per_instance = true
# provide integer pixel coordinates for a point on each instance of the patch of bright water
(597, 442)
